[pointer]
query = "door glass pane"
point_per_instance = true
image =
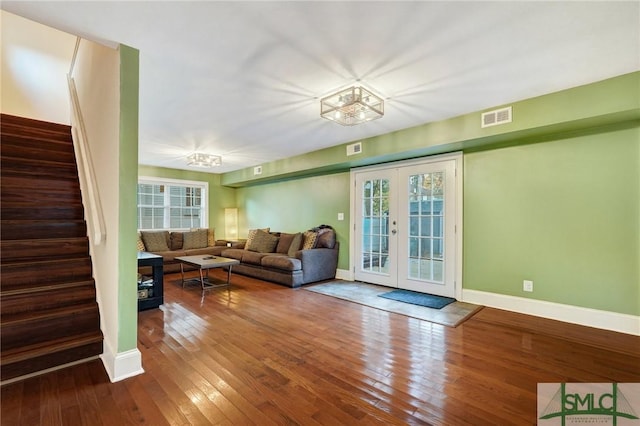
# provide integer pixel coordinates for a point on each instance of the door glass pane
(375, 226)
(426, 226)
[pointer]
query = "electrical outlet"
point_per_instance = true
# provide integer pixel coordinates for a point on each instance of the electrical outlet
(527, 285)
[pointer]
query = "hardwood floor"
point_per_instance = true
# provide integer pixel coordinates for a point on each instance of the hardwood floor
(265, 354)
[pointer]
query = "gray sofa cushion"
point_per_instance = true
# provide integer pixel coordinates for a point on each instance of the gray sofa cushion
(252, 257)
(282, 262)
(233, 253)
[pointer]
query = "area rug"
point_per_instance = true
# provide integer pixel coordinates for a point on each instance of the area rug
(365, 294)
(420, 299)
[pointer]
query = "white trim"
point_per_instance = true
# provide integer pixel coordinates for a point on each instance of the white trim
(344, 274)
(459, 209)
(122, 365)
(614, 321)
(204, 185)
(183, 182)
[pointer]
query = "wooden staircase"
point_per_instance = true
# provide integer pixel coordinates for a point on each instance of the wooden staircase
(48, 310)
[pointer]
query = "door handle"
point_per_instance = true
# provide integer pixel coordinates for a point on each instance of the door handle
(393, 231)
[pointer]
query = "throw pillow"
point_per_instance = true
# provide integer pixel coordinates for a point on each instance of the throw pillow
(195, 239)
(155, 241)
(263, 242)
(211, 235)
(295, 245)
(177, 239)
(326, 238)
(252, 234)
(309, 240)
(284, 243)
(140, 244)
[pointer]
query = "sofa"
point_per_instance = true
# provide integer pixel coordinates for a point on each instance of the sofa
(290, 259)
(172, 244)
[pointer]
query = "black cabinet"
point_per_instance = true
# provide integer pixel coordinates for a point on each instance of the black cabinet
(153, 290)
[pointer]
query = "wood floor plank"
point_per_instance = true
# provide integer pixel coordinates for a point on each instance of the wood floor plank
(263, 354)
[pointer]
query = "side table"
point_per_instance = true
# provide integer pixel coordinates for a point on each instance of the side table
(157, 298)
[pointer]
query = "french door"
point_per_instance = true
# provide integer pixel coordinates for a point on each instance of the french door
(405, 225)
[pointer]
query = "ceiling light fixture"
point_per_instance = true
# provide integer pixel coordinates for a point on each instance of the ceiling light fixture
(199, 159)
(352, 106)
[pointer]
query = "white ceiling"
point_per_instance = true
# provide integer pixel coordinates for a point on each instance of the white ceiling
(243, 79)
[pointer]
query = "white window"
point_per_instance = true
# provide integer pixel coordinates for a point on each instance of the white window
(172, 204)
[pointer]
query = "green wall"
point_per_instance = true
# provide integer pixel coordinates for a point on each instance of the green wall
(220, 197)
(552, 197)
(128, 158)
(564, 214)
(297, 205)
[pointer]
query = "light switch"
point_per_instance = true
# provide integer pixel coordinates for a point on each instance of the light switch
(340, 216)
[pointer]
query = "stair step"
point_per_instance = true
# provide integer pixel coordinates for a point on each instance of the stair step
(28, 229)
(32, 123)
(29, 147)
(15, 276)
(32, 183)
(37, 133)
(22, 251)
(27, 211)
(14, 166)
(30, 359)
(32, 328)
(28, 190)
(32, 300)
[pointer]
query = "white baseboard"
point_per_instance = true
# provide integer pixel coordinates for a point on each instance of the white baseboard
(622, 323)
(344, 274)
(121, 365)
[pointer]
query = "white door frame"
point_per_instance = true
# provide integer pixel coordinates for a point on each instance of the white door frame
(458, 157)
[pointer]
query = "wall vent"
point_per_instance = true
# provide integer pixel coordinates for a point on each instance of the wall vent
(354, 148)
(257, 170)
(496, 117)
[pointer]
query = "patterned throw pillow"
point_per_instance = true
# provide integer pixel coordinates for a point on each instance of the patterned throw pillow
(263, 242)
(155, 241)
(140, 244)
(252, 234)
(195, 239)
(211, 237)
(309, 240)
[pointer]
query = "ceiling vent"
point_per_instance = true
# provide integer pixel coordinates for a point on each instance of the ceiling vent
(257, 170)
(496, 117)
(354, 148)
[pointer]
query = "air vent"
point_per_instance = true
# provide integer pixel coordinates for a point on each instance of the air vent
(257, 170)
(354, 148)
(496, 117)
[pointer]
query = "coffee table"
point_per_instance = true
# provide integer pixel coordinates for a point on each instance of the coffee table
(204, 263)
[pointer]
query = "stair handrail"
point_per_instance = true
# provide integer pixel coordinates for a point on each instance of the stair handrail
(86, 172)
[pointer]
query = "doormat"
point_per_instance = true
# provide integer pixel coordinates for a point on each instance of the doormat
(366, 294)
(420, 299)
